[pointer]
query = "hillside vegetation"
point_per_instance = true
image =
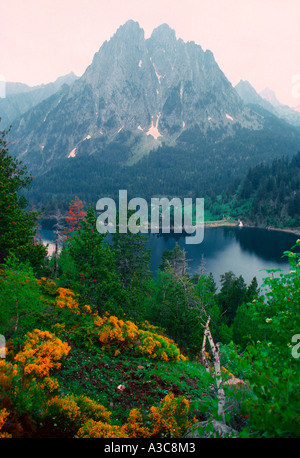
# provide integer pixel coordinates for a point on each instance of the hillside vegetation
(96, 346)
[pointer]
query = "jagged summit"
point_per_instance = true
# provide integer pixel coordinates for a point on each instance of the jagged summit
(130, 29)
(268, 101)
(147, 88)
(163, 33)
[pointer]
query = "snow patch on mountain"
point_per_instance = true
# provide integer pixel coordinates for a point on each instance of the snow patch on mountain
(154, 129)
(72, 153)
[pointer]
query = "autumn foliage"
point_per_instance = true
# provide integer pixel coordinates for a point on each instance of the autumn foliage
(76, 214)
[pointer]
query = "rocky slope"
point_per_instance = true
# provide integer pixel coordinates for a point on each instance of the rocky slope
(150, 89)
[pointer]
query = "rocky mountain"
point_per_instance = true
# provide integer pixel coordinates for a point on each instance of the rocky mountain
(20, 97)
(150, 89)
(270, 95)
(267, 99)
(154, 116)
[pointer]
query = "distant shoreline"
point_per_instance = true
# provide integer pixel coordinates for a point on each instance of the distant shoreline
(223, 223)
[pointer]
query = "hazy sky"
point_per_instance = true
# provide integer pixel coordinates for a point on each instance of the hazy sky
(254, 40)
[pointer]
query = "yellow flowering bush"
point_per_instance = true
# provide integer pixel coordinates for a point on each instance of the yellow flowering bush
(134, 426)
(66, 299)
(157, 347)
(41, 353)
(3, 415)
(126, 335)
(64, 407)
(91, 409)
(98, 429)
(49, 385)
(114, 330)
(65, 415)
(170, 417)
(62, 415)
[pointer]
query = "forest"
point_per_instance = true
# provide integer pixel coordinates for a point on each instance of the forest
(198, 165)
(95, 346)
(268, 196)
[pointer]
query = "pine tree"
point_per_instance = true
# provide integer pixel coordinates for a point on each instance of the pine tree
(17, 226)
(87, 266)
(174, 259)
(132, 258)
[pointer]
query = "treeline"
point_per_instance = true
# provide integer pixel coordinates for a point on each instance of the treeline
(269, 195)
(197, 166)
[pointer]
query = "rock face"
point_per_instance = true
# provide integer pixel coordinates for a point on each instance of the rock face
(154, 87)
(268, 101)
(20, 98)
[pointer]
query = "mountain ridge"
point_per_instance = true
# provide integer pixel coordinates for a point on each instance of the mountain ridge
(267, 99)
(158, 87)
(20, 97)
(154, 116)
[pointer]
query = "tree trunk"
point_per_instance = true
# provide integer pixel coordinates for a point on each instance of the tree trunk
(217, 367)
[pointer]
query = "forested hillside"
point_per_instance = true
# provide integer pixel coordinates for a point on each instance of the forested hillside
(269, 195)
(98, 347)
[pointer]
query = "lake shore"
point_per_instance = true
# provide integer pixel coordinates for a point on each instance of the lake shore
(224, 223)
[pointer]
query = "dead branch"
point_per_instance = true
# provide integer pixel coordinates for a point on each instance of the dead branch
(217, 368)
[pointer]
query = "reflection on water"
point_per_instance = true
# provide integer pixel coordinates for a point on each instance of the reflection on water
(245, 251)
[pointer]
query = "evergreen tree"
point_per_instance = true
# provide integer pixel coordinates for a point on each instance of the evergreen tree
(132, 260)
(87, 266)
(17, 226)
(233, 292)
(174, 259)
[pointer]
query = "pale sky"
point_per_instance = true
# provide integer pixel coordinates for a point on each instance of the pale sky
(254, 40)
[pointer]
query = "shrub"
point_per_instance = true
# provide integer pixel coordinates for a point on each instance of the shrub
(62, 416)
(170, 417)
(41, 353)
(134, 426)
(90, 409)
(3, 416)
(127, 336)
(98, 429)
(272, 368)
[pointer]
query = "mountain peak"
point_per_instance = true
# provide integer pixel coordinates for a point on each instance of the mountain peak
(164, 33)
(130, 27)
(270, 96)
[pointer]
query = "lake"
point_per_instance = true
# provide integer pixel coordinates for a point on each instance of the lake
(245, 251)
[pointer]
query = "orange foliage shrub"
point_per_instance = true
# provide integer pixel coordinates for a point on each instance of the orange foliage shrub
(66, 299)
(91, 409)
(126, 335)
(41, 353)
(134, 426)
(170, 417)
(98, 429)
(65, 408)
(3, 415)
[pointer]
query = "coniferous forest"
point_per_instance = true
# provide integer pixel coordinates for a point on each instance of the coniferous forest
(95, 346)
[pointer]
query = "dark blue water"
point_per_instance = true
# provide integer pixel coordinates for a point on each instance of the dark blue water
(245, 251)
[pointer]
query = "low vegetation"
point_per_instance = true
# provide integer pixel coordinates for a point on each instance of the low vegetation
(98, 347)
